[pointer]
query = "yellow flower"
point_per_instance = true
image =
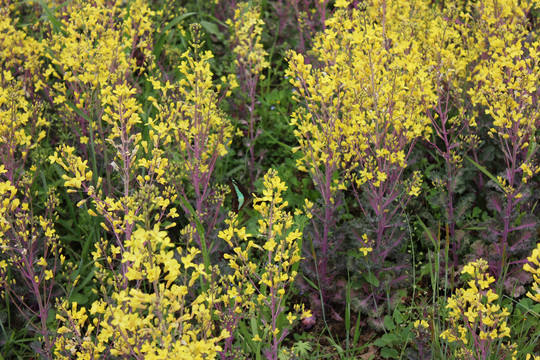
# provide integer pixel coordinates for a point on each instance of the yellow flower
(291, 318)
(365, 250)
(342, 3)
(422, 323)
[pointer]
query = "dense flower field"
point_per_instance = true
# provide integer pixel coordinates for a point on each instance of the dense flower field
(288, 179)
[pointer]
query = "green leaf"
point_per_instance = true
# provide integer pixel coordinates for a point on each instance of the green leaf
(78, 298)
(531, 149)
(303, 349)
(389, 353)
(212, 28)
(310, 283)
(385, 340)
(357, 332)
(380, 342)
(246, 334)
(392, 338)
(158, 47)
(398, 318)
(200, 231)
(388, 323)
(371, 279)
(406, 335)
(485, 171)
(49, 15)
(436, 243)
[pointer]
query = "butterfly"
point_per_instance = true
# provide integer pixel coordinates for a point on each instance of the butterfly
(240, 195)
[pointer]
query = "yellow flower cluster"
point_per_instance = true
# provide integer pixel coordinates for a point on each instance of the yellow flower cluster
(534, 259)
(506, 81)
(28, 240)
(20, 55)
(191, 123)
(194, 121)
(8, 204)
(92, 50)
(20, 232)
(246, 28)
(363, 104)
(29, 244)
(474, 315)
(20, 133)
(264, 287)
(154, 318)
(17, 117)
(127, 314)
(92, 55)
(122, 113)
(367, 245)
